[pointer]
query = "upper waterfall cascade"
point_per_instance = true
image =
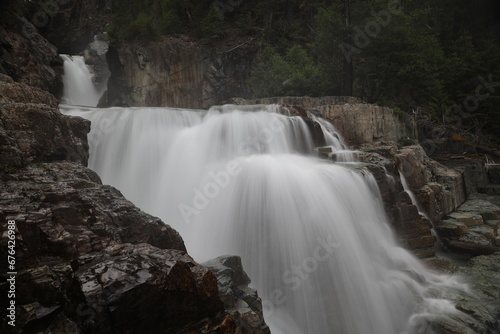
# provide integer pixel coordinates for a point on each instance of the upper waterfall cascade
(243, 180)
(79, 89)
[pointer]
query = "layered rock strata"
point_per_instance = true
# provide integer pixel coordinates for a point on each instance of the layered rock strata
(177, 72)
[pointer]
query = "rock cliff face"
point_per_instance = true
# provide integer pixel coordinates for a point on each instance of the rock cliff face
(72, 24)
(358, 122)
(239, 300)
(36, 131)
(177, 72)
(28, 58)
(87, 259)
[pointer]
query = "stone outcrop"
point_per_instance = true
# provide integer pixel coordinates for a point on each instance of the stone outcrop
(365, 123)
(67, 213)
(239, 300)
(88, 260)
(474, 228)
(124, 288)
(304, 102)
(36, 131)
(95, 57)
(412, 228)
(358, 122)
(177, 72)
(28, 58)
(438, 189)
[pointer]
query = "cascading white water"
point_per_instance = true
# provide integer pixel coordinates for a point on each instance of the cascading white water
(410, 193)
(334, 140)
(312, 235)
(78, 86)
(441, 250)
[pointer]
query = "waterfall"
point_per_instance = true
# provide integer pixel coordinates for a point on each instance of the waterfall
(79, 88)
(334, 140)
(312, 235)
(410, 193)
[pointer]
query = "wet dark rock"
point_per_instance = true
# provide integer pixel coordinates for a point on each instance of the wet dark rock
(88, 260)
(125, 288)
(13, 92)
(29, 58)
(451, 228)
(134, 288)
(33, 130)
(63, 211)
(239, 300)
(413, 229)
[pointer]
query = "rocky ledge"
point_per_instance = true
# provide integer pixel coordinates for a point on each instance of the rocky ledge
(87, 259)
(29, 58)
(452, 198)
(454, 193)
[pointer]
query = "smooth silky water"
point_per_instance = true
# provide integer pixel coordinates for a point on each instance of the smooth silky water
(79, 89)
(312, 235)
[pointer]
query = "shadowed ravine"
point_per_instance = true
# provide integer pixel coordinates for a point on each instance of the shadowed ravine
(312, 235)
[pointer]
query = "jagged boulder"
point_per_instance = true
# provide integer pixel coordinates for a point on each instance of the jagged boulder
(474, 227)
(33, 130)
(241, 301)
(125, 288)
(29, 58)
(63, 211)
(412, 228)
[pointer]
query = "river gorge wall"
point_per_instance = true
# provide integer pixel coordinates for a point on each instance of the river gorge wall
(178, 72)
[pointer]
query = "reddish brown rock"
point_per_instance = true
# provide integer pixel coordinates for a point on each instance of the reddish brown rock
(33, 130)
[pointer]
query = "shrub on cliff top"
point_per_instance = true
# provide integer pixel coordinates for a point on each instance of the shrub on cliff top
(293, 74)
